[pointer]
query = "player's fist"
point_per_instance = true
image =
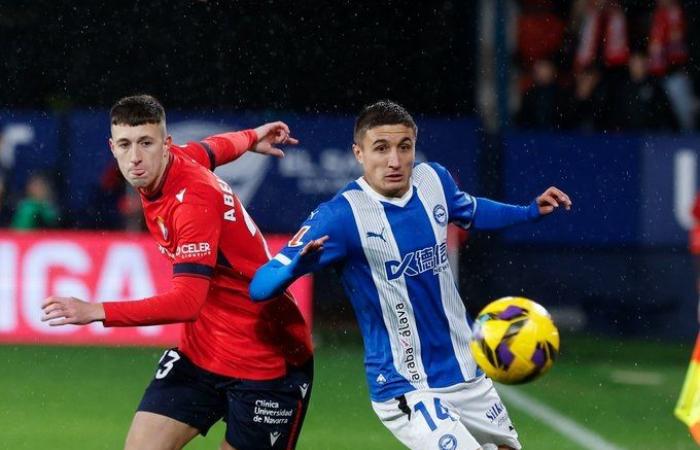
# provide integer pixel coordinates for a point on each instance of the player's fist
(552, 199)
(270, 135)
(70, 310)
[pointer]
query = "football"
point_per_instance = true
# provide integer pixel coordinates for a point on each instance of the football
(514, 340)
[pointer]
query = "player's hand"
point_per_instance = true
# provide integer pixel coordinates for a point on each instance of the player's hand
(552, 199)
(315, 246)
(270, 135)
(70, 310)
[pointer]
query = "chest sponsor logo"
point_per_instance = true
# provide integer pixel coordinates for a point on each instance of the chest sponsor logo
(419, 261)
(193, 250)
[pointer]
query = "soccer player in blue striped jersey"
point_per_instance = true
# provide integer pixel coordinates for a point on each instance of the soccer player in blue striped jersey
(386, 233)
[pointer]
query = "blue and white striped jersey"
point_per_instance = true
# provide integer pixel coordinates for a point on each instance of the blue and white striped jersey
(392, 258)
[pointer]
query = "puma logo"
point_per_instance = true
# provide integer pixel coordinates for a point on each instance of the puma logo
(372, 234)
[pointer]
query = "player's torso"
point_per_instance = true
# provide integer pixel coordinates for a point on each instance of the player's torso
(240, 249)
(232, 335)
(418, 336)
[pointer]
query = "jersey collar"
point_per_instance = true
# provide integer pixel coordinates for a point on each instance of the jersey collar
(396, 201)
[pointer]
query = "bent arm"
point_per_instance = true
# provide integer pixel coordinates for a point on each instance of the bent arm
(226, 147)
(181, 304)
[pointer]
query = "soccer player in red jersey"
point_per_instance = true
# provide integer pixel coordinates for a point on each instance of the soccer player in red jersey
(248, 363)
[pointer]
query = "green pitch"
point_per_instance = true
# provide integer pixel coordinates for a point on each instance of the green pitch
(83, 398)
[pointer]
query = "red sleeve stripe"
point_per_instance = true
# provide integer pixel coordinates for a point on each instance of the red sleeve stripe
(212, 158)
(193, 269)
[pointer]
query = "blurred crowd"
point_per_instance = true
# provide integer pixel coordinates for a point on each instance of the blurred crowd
(33, 203)
(600, 65)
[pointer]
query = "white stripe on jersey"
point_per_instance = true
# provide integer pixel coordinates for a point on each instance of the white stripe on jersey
(397, 311)
(431, 194)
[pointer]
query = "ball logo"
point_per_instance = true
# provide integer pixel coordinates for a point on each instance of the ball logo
(440, 215)
(447, 442)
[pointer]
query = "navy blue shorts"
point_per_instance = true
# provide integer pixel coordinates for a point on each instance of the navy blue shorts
(258, 414)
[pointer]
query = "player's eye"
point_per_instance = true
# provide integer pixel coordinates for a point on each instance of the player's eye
(381, 148)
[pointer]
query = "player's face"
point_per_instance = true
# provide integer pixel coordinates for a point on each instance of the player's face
(387, 154)
(142, 153)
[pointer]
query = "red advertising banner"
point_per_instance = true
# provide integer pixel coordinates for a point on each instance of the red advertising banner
(92, 266)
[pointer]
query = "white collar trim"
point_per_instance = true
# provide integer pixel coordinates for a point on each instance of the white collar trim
(397, 201)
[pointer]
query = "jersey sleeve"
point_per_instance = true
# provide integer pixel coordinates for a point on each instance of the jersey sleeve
(196, 229)
(288, 265)
(461, 206)
(220, 149)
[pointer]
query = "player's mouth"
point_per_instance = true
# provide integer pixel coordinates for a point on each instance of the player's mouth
(137, 173)
(393, 177)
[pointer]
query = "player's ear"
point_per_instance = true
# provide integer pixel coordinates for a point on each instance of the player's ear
(357, 151)
(111, 146)
(167, 143)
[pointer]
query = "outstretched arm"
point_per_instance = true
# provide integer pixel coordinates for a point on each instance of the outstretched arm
(274, 277)
(223, 148)
(181, 304)
(490, 215)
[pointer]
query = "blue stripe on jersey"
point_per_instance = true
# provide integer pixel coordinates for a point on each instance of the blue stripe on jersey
(382, 378)
(418, 240)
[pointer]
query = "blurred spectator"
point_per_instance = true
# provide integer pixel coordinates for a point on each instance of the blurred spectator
(541, 104)
(540, 31)
(586, 109)
(36, 209)
(117, 206)
(669, 55)
(641, 103)
(602, 37)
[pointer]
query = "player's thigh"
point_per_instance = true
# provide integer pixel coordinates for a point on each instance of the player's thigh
(151, 431)
(482, 411)
(185, 394)
(423, 421)
(268, 414)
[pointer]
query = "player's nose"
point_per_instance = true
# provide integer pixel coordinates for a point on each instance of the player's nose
(393, 161)
(135, 155)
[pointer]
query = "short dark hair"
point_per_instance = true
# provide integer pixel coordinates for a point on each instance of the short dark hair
(137, 110)
(383, 112)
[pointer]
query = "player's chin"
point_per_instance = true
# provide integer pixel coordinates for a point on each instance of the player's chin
(137, 182)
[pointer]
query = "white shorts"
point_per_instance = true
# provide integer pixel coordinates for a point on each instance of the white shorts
(465, 416)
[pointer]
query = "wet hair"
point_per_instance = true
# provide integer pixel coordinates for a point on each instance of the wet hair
(383, 112)
(137, 110)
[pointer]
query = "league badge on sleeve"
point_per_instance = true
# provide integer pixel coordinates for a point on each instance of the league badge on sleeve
(296, 240)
